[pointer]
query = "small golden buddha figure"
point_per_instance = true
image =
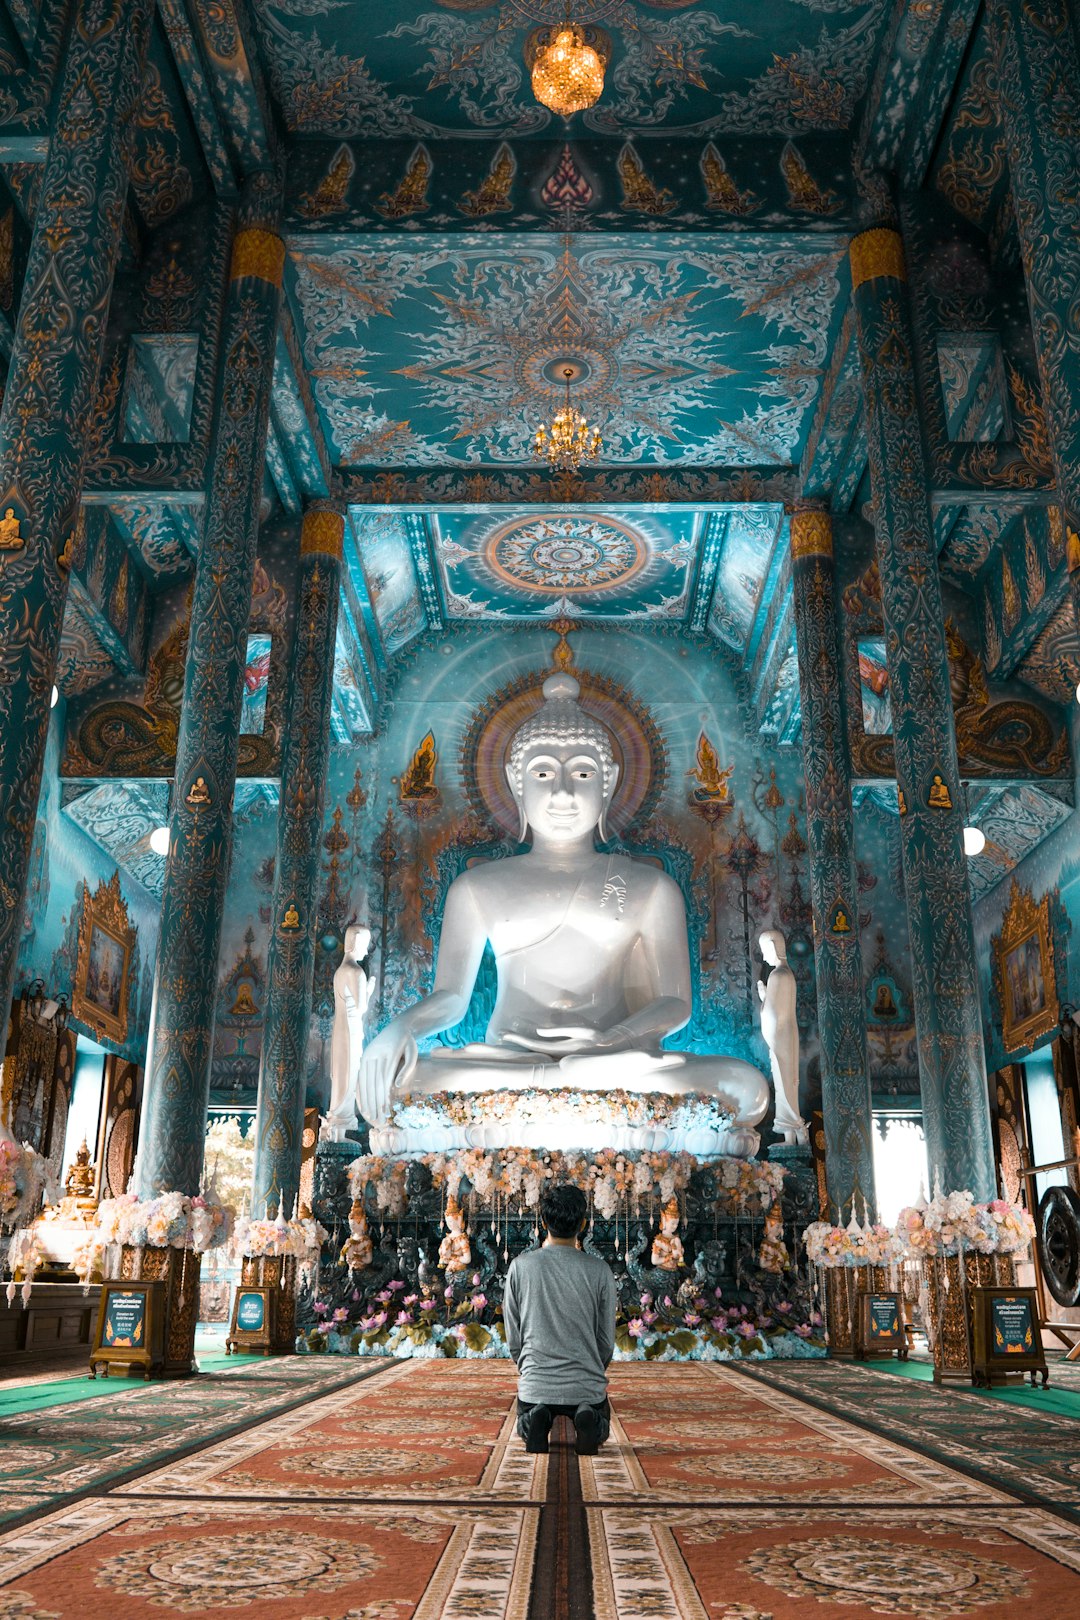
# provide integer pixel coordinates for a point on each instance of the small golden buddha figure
(939, 795)
(455, 1253)
(358, 1251)
(10, 538)
(198, 793)
(667, 1249)
(244, 1005)
(292, 917)
(901, 802)
(773, 1254)
(79, 1181)
(840, 923)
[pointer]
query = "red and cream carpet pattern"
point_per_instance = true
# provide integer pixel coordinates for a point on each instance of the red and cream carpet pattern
(407, 1496)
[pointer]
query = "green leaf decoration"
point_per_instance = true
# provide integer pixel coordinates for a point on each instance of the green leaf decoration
(683, 1341)
(624, 1340)
(656, 1349)
(746, 1346)
(448, 1346)
(477, 1337)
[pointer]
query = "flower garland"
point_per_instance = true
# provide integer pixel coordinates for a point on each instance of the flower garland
(613, 1180)
(23, 1174)
(833, 1247)
(172, 1220)
(696, 1110)
(953, 1223)
(301, 1237)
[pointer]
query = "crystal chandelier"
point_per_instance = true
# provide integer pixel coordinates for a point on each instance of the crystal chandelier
(567, 73)
(567, 441)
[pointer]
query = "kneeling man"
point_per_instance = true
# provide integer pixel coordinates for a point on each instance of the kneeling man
(559, 1313)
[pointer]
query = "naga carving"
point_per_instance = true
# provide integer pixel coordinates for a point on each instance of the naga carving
(998, 737)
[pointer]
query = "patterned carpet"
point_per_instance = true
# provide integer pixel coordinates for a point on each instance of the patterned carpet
(406, 1495)
(1029, 1453)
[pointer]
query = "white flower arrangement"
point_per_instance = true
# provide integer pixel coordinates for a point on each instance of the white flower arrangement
(172, 1220)
(953, 1223)
(302, 1237)
(837, 1247)
(23, 1177)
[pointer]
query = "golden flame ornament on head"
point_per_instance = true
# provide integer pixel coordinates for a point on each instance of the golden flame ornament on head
(567, 440)
(567, 73)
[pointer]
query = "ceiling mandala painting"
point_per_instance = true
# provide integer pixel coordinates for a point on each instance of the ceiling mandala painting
(450, 350)
(442, 67)
(616, 565)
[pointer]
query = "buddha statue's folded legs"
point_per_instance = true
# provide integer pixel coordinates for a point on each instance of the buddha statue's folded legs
(740, 1090)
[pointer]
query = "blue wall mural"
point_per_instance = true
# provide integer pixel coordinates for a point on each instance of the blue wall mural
(63, 859)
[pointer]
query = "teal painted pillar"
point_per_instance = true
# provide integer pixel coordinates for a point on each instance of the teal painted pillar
(279, 1118)
(834, 890)
(46, 411)
(1038, 71)
(945, 987)
(200, 833)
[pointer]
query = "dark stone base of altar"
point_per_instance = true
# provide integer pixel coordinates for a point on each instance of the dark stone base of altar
(721, 1252)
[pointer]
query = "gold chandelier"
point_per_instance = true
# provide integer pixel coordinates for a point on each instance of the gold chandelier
(567, 440)
(567, 73)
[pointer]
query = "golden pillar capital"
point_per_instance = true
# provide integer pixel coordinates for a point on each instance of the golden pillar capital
(811, 533)
(323, 531)
(258, 253)
(874, 253)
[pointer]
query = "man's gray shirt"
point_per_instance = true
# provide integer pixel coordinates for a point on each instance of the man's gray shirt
(559, 1313)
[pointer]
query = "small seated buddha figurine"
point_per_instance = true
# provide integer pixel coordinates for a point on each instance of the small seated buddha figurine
(79, 1184)
(591, 952)
(773, 1252)
(455, 1253)
(667, 1249)
(359, 1250)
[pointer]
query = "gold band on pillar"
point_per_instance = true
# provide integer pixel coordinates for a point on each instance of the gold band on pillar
(258, 253)
(879, 252)
(811, 533)
(323, 531)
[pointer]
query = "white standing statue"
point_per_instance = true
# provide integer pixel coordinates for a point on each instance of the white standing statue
(591, 953)
(780, 1028)
(352, 992)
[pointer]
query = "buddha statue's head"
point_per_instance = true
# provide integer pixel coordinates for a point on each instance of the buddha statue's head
(357, 942)
(561, 768)
(773, 947)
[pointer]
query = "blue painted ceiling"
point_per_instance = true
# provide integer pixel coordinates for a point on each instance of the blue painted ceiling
(427, 68)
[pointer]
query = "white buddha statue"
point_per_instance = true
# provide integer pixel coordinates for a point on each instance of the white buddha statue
(780, 1028)
(591, 950)
(352, 992)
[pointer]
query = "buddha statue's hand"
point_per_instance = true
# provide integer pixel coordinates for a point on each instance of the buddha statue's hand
(559, 1040)
(388, 1061)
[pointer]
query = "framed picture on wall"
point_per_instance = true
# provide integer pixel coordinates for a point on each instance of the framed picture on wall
(103, 965)
(1024, 953)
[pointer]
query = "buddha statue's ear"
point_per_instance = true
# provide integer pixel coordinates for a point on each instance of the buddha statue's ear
(610, 784)
(523, 825)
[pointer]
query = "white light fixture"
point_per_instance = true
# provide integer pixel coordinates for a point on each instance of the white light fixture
(159, 840)
(974, 840)
(1078, 694)
(54, 697)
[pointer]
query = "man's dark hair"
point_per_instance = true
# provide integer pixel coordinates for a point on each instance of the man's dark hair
(562, 1209)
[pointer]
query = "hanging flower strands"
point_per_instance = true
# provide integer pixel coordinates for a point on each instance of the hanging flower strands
(567, 72)
(567, 441)
(618, 1184)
